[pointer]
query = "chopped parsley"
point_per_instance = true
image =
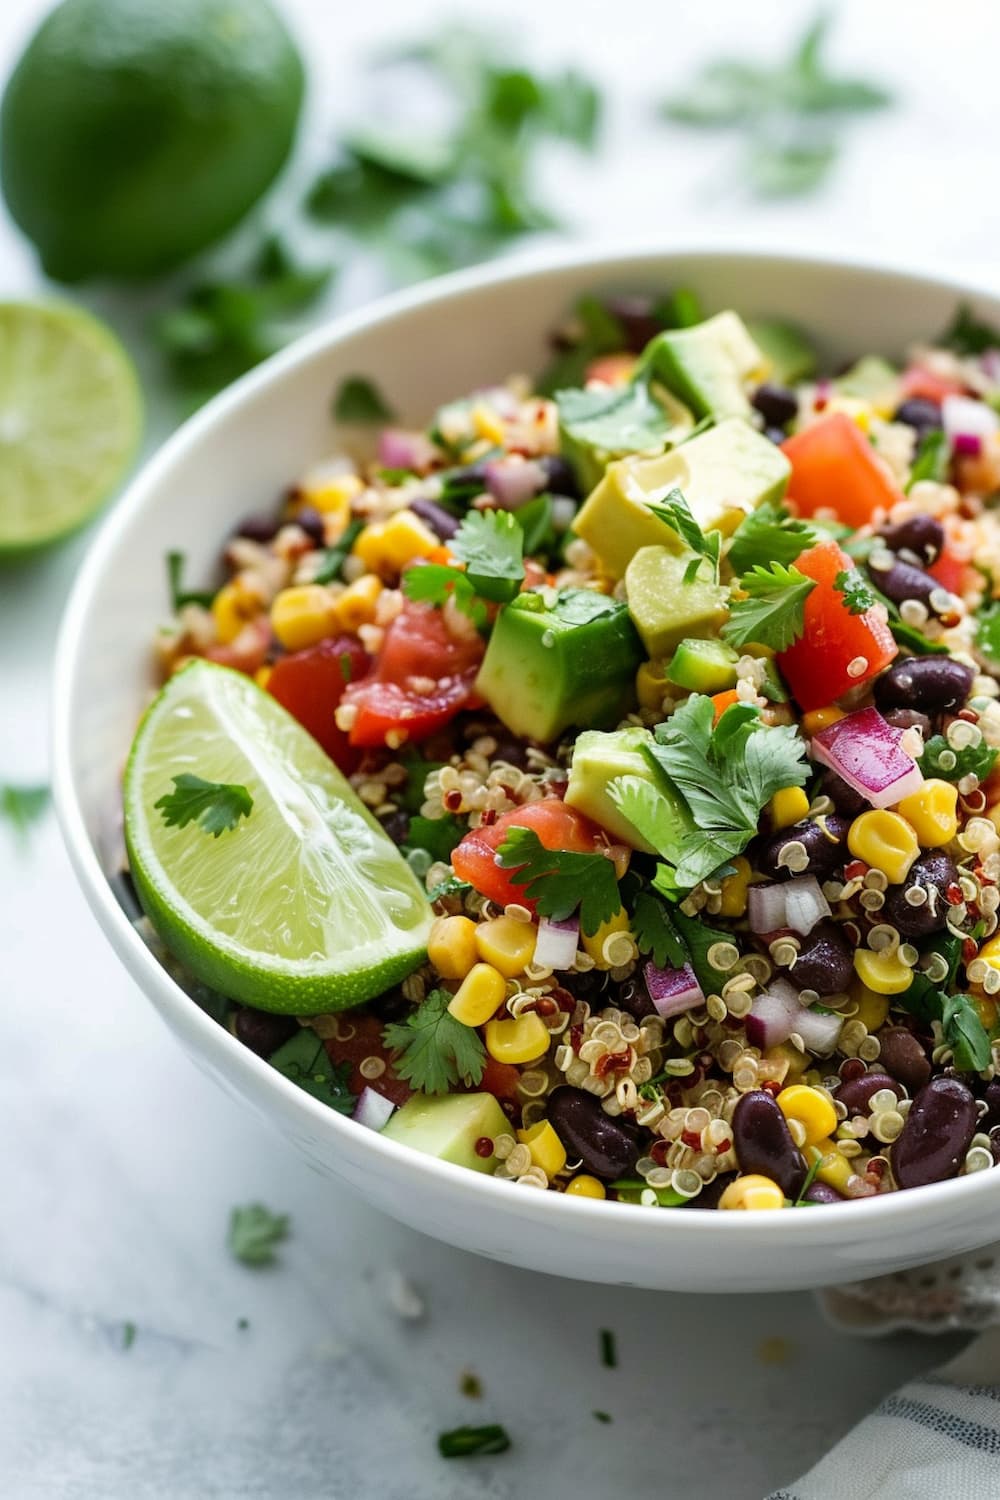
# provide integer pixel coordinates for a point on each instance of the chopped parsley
(675, 511)
(655, 933)
(22, 806)
(857, 595)
(465, 1442)
(179, 595)
(560, 880)
(304, 1060)
(254, 1232)
(940, 760)
(360, 400)
(768, 535)
(333, 558)
(609, 1350)
(434, 1051)
(773, 614)
(216, 806)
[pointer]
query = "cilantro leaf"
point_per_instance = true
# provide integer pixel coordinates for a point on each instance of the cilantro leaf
(931, 460)
(304, 1060)
(491, 544)
(436, 583)
(967, 334)
(676, 512)
(216, 806)
(698, 938)
(965, 1033)
(360, 400)
(559, 880)
(655, 932)
(858, 596)
(450, 886)
(592, 330)
(435, 1052)
(768, 535)
(335, 557)
(22, 806)
(437, 835)
(773, 615)
(254, 1232)
(615, 419)
(648, 809)
(179, 595)
(535, 520)
(940, 760)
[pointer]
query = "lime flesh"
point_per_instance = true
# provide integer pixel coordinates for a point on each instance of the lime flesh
(70, 419)
(306, 905)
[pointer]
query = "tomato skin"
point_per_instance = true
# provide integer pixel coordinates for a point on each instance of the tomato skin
(834, 467)
(311, 683)
(815, 666)
(557, 827)
(395, 696)
(949, 570)
(366, 1041)
(384, 707)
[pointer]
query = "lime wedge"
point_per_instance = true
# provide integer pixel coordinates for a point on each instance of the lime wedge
(305, 905)
(70, 420)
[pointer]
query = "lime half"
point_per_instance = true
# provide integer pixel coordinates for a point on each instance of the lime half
(70, 420)
(305, 905)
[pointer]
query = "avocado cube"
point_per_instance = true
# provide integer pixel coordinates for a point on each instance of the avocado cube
(448, 1126)
(599, 758)
(665, 605)
(788, 353)
(723, 474)
(707, 364)
(560, 657)
(599, 425)
(703, 666)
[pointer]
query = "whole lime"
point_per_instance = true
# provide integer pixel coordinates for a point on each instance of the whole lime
(134, 134)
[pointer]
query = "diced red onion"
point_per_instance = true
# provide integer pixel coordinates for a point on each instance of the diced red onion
(557, 943)
(774, 1014)
(398, 449)
(672, 990)
(805, 904)
(967, 444)
(967, 422)
(865, 751)
(766, 907)
(514, 481)
(372, 1109)
(820, 1033)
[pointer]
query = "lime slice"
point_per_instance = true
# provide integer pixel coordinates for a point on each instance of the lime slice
(70, 420)
(306, 905)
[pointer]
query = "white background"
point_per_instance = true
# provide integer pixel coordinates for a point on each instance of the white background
(119, 1162)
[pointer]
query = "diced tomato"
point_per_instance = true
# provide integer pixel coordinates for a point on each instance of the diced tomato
(613, 369)
(557, 827)
(918, 381)
(366, 1041)
(311, 683)
(248, 652)
(500, 1079)
(834, 467)
(815, 666)
(949, 570)
(421, 678)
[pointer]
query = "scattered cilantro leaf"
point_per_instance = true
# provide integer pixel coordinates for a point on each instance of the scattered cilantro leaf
(931, 460)
(22, 806)
(360, 400)
(466, 1442)
(216, 806)
(965, 1034)
(681, 309)
(334, 558)
(655, 932)
(615, 419)
(988, 633)
(602, 1416)
(435, 1052)
(304, 1060)
(253, 1234)
(648, 809)
(491, 544)
(609, 1350)
(857, 594)
(773, 615)
(768, 535)
(967, 334)
(698, 938)
(535, 521)
(559, 880)
(675, 511)
(129, 1331)
(436, 583)
(450, 886)
(591, 331)
(940, 760)
(437, 835)
(179, 595)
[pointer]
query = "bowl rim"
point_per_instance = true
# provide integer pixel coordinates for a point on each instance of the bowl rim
(214, 1042)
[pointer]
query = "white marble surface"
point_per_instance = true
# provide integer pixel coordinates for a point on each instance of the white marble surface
(119, 1162)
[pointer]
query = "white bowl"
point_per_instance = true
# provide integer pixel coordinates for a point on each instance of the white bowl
(236, 455)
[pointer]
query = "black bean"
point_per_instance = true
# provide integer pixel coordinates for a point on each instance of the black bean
(258, 528)
(991, 1095)
(396, 825)
(560, 478)
(637, 315)
(633, 996)
(902, 580)
(825, 963)
(855, 1094)
(921, 535)
(908, 718)
(930, 683)
(822, 1192)
(920, 413)
(903, 1057)
(262, 1032)
(824, 843)
(441, 522)
(937, 1134)
(713, 1191)
(312, 523)
(777, 405)
(934, 872)
(763, 1143)
(844, 798)
(607, 1147)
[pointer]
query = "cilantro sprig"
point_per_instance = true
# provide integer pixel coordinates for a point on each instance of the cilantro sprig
(655, 932)
(773, 614)
(769, 534)
(359, 399)
(434, 1052)
(969, 334)
(856, 591)
(216, 806)
(965, 1033)
(675, 511)
(491, 545)
(560, 880)
(254, 1233)
(940, 760)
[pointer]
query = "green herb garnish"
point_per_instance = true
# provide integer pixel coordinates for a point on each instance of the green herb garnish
(939, 759)
(699, 938)
(450, 886)
(609, 1350)
(965, 1034)
(810, 1177)
(254, 1232)
(23, 806)
(655, 933)
(216, 806)
(491, 544)
(333, 558)
(435, 1052)
(773, 615)
(595, 331)
(676, 512)
(914, 640)
(465, 1442)
(988, 633)
(305, 1061)
(768, 535)
(436, 583)
(968, 334)
(601, 1416)
(179, 595)
(360, 400)
(931, 460)
(437, 835)
(616, 419)
(129, 1331)
(559, 880)
(857, 594)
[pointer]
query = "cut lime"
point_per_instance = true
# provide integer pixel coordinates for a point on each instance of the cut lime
(70, 420)
(305, 905)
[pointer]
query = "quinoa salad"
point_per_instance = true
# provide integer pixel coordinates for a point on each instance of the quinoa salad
(662, 691)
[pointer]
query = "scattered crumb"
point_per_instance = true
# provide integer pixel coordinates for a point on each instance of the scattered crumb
(128, 1335)
(602, 1416)
(470, 1384)
(403, 1297)
(775, 1350)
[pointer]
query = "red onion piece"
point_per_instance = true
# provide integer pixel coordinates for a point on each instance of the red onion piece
(372, 1109)
(514, 481)
(557, 943)
(774, 1015)
(398, 449)
(672, 990)
(805, 904)
(967, 422)
(766, 907)
(820, 1033)
(865, 751)
(967, 444)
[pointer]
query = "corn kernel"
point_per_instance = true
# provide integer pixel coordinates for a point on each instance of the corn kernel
(733, 899)
(988, 1011)
(852, 406)
(990, 952)
(356, 606)
(834, 1169)
(795, 1062)
(752, 1191)
(487, 424)
(820, 718)
(885, 973)
(262, 677)
(232, 607)
(651, 685)
(593, 943)
(813, 1110)
(872, 1009)
(931, 811)
(787, 806)
(478, 996)
(451, 946)
(386, 547)
(885, 841)
(519, 1040)
(585, 1186)
(332, 496)
(547, 1150)
(507, 944)
(302, 616)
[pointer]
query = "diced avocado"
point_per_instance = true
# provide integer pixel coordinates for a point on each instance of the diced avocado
(599, 758)
(707, 364)
(872, 380)
(703, 666)
(664, 607)
(448, 1126)
(600, 425)
(723, 473)
(787, 351)
(557, 658)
